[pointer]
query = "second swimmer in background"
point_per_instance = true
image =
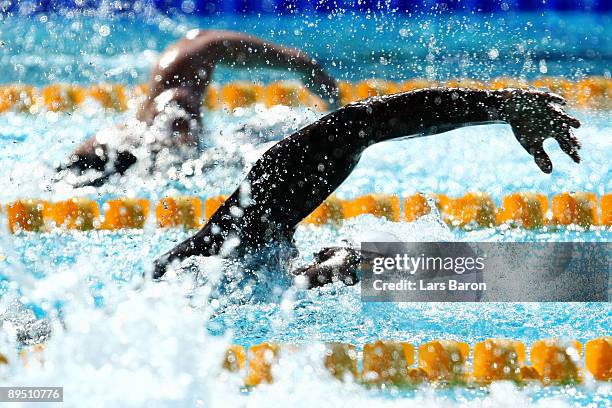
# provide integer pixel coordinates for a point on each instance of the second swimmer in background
(171, 115)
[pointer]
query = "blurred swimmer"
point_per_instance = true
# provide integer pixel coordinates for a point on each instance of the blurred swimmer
(170, 117)
(298, 173)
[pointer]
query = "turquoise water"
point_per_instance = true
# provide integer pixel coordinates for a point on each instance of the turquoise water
(113, 333)
(46, 49)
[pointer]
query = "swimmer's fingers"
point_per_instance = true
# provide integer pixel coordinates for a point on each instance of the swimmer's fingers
(561, 115)
(552, 97)
(564, 135)
(569, 144)
(539, 118)
(575, 141)
(533, 146)
(541, 158)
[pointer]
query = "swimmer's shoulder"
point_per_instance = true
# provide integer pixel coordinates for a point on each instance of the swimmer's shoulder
(200, 34)
(194, 37)
(195, 33)
(196, 40)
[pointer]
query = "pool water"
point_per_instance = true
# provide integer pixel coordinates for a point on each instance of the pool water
(113, 333)
(351, 46)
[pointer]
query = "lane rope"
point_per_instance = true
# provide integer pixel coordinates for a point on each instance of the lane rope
(470, 211)
(588, 93)
(446, 362)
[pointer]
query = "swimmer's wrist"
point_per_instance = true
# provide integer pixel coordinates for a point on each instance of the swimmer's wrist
(499, 104)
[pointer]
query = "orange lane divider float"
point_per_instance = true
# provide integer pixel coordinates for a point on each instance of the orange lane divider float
(375, 87)
(591, 92)
(338, 358)
(440, 362)
(77, 213)
(212, 204)
(445, 361)
(290, 93)
(575, 208)
(380, 205)
(26, 215)
(606, 209)
(65, 97)
(241, 94)
(527, 210)
(180, 211)
(125, 213)
(341, 360)
(415, 207)
(598, 358)
(62, 97)
(235, 359)
(387, 362)
(472, 210)
(17, 98)
(500, 359)
(557, 362)
(110, 96)
(261, 359)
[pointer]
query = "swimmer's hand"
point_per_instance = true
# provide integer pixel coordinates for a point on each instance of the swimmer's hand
(330, 265)
(536, 116)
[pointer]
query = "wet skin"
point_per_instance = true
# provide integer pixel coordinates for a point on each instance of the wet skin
(298, 173)
(181, 76)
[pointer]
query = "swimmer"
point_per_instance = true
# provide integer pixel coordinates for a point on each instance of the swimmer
(298, 173)
(170, 116)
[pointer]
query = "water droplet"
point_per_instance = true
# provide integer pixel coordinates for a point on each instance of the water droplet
(104, 31)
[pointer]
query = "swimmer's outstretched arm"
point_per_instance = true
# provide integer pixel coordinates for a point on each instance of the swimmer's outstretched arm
(186, 67)
(242, 50)
(297, 174)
